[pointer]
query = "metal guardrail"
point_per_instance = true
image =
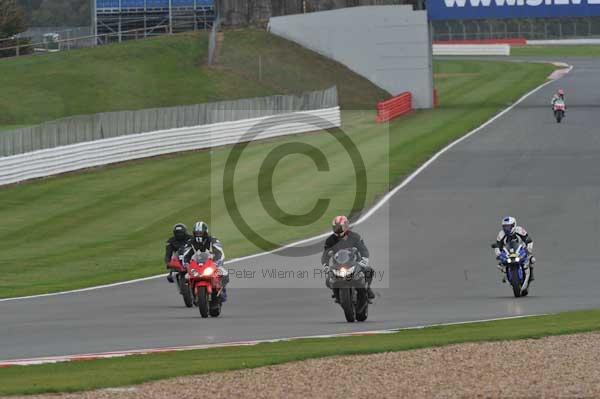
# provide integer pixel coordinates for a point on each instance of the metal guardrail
(471, 49)
(69, 158)
(101, 126)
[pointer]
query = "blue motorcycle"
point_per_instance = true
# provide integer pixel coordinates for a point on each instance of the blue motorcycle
(514, 258)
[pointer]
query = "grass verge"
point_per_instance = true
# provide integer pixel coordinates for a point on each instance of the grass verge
(557, 51)
(86, 375)
(168, 71)
(107, 225)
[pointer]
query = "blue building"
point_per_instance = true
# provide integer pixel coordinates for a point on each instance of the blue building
(117, 20)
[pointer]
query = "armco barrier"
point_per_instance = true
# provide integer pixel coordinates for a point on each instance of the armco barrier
(73, 157)
(471, 49)
(512, 42)
(394, 107)
(83, 128)
(563, 42)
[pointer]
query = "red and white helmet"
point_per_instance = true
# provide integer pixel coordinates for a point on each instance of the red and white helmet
(340, 226)
(561, 92)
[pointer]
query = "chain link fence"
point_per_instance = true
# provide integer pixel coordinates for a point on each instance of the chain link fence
(79, 129)
(531, 29)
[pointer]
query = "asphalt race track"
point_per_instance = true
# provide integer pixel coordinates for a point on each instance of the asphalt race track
(440, 228)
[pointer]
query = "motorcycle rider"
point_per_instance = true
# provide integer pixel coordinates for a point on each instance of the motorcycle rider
(559, 95)
(179, 239)
(202, 241)
(511, 231)
(344, 238)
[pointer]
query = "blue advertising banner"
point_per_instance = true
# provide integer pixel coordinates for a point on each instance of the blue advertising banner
(496, 9)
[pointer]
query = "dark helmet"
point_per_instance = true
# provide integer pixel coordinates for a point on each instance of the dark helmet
(340, 225)
(200, 230)
(179, 231)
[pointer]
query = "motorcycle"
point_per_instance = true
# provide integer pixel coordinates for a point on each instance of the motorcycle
(346, 276)
(206, 284)
(177, 267)
(559, 110)
(514, 258)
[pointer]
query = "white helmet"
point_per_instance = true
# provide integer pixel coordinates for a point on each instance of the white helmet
(509, 225)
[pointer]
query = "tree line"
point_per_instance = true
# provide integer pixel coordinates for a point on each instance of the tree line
(241, 12)
(67, 13)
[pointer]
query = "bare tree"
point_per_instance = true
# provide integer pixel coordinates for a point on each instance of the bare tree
(12, 19)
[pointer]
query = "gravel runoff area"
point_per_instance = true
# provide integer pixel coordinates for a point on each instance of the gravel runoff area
(553, 367)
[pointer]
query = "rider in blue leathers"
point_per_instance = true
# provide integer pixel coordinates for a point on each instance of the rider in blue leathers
(509, 232)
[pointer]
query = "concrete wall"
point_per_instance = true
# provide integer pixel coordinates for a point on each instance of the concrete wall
(389, 45)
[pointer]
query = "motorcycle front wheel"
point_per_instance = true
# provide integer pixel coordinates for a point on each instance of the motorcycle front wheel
(362, 305)
(559, 117)
(186, 292)
(347, 305)
(203, 302)
(514, 282)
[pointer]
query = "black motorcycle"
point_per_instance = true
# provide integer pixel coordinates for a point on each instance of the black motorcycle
(346, 276)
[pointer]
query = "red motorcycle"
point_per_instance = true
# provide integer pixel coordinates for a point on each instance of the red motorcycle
(206, 285)
(177, 266)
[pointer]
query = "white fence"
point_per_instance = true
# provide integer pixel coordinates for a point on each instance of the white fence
(563, 42)
(73, 157)
(471, 49)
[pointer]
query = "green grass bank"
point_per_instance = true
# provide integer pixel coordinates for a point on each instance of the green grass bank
(86, 375)
(110, 224)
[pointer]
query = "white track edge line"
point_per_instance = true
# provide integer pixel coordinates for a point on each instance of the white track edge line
(364, 217)
(115, 354)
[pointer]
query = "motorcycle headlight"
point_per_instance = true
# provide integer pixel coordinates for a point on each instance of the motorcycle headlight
(208, 271)
(517, 259)
(508, 260)
(343, 272)
(195, 273)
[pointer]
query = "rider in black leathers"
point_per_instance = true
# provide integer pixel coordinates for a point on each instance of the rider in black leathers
(179, 239)
(344, 238)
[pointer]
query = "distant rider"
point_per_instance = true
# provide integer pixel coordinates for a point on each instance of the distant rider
(344, 238)
(509, 232)
(560, 95)
(202, 241)
(179, 239)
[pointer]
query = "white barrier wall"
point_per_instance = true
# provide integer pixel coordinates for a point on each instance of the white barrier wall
(68, 158)
(561, 42)
(471, 49)
(389, 45)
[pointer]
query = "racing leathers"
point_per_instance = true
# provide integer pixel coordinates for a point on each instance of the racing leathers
(555, 98)
(520, 233)
(349, 240)
(213, 246)
(173, 245)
